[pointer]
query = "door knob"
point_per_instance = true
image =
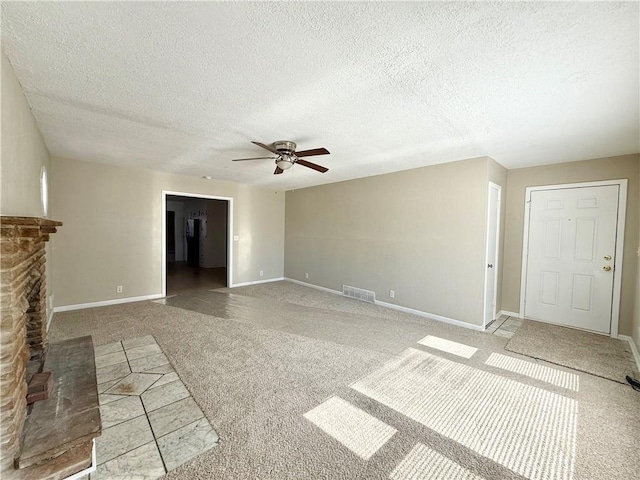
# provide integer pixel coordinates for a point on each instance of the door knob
(606, 268)
(607, 257)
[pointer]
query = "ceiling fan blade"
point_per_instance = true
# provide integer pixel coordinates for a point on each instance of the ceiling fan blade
(254, 158)
(278, 171)
(319, 168)
(312, 152)
(266, 147)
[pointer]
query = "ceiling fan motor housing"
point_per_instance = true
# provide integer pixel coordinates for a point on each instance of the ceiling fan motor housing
(285, 146)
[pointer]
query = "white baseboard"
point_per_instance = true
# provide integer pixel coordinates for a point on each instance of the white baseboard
(246, 284)
(311, 285)
(80, 306)
(509, 314)
(634, 349)
(400, 308)
(432, 316)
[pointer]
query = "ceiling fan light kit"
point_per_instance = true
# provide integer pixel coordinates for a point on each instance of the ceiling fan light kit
(287, 156)
(284, 162)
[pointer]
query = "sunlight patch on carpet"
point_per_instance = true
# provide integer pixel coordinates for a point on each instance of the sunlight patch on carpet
(546, 374)
(529, 430)
(354, 428)
(423, 463)
(459, 349)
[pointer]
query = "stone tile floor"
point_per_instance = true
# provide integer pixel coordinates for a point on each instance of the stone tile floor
(150, 422)
(504, 326)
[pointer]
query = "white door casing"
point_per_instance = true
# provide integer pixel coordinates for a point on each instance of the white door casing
(491, 257)
(572, 255)
(230, 254)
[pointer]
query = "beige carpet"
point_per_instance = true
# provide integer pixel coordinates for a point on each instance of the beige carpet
(281, 381)
(598, 355)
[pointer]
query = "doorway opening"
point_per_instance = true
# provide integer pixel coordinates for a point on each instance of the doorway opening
(197, 242)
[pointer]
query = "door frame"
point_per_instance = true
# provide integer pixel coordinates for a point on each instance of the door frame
(617, 265)
(485, 320)
(229, 201)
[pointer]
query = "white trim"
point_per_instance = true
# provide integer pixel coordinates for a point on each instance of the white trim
(104, 303)
(229, 233)
(617, 266)
(634, 349)
(509, 314)
(432, 316)
(268, 280)
(485, 320)
(400, 308)
(311, 285)
(525, 251)
(617, 272)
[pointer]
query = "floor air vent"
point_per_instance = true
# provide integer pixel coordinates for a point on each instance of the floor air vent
(359, 294)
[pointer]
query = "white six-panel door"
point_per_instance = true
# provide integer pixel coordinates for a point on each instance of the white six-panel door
(571, 255)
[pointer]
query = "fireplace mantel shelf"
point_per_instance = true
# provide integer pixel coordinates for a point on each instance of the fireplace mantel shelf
(46, 225)
(12, 220)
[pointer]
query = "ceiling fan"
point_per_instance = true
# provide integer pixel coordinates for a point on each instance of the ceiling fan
(286, 156)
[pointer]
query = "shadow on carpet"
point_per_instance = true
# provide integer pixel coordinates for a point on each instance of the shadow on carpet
(591, 353)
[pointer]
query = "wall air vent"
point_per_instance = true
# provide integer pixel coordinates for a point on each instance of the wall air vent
(359, 294)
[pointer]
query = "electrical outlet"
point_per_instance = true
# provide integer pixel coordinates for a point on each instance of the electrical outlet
(392, 294)
(306, 275)
(119, 289)
(261, 273)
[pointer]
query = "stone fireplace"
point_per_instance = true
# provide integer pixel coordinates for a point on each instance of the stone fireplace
(23, 321)
(53, 438)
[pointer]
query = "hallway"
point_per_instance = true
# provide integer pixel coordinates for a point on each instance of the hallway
(182, 277)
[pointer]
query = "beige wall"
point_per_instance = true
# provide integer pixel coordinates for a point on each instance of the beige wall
(419, 232)
(23, 150)
(625, 166)
(498, 175)
(112, 233)
(23, 154)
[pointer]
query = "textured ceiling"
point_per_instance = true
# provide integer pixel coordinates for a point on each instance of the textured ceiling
(185, 87)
